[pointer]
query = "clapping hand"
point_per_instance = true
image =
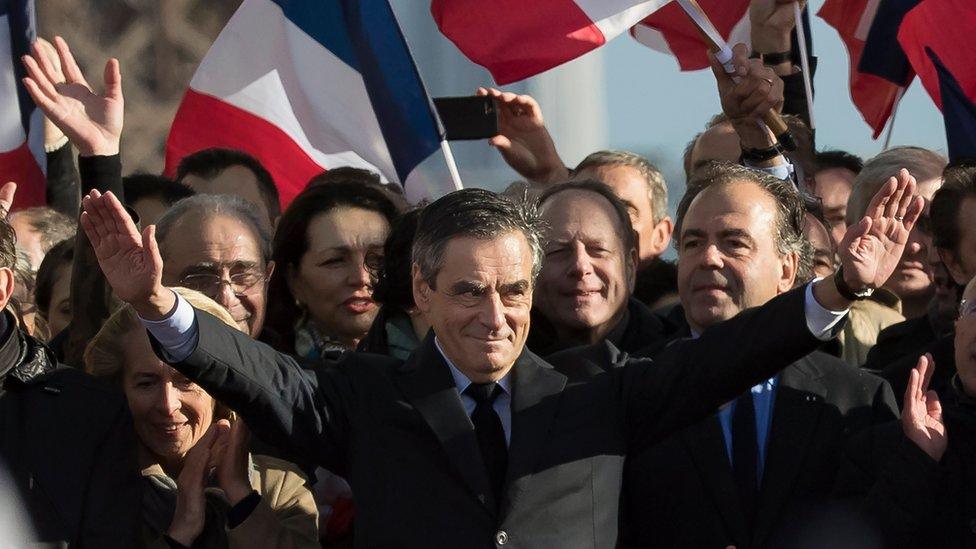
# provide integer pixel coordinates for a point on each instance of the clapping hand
(921, 416)
(92, 122)
(190, 514)
(7, 193)
(233, 465)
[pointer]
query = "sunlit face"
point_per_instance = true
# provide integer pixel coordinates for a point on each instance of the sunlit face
(912, 279)
(833, 187)
(199, 247)
(727, 256)
(631, 187)
(169, 412)
(479, 307)
(234, 181)
(823, 247)
(587, 275)
(59, 309)
(332, 279)
(965, 339)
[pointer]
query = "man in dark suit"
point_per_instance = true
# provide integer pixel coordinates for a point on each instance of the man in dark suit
(746, 475)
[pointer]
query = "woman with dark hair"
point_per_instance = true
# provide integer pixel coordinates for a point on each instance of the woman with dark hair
(321, 295)
(399, 327)
(52, 292)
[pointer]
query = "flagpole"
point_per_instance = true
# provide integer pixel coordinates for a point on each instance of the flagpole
(891, 123)
(804, 62)
(451, 165)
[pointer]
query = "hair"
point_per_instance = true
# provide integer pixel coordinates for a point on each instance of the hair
(923, 164)
(59, 256)
(208, 206)
(104, 356)
(813, 206)
(140, 185)
(345, 174)
(828, 160)
(959, 183)
(23, 277)
(53, 225)
(628, 236)
(291, 240)
(209, 163)
(475, 213)
(788, 232)
(656, 186)
(393, 280)
(8, 244)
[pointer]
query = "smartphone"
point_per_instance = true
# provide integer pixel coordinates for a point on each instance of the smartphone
(472, 117)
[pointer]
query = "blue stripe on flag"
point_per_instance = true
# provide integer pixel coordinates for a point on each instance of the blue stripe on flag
(958, 111)
(323, 20)
(23, 31)
(882, 55)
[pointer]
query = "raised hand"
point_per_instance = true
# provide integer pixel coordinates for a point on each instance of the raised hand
(772, 22)
(92, 122)
(921, 416)
(523, 139)
(871, 250)
(233, 466)
(7, 193)
(751, 91)
(190, 514)
(130, 260)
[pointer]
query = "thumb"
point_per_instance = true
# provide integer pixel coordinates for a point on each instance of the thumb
(7, 193)
(500, 142)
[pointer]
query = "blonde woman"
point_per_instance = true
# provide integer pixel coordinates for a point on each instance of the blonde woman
(202, 486)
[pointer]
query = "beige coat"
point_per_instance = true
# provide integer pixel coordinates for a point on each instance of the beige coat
(286, 518)
(867, 319)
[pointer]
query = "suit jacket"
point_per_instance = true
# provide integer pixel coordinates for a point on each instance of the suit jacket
(398, 433)
(638, 328)
(909, 337)
(682, 492)
(68, 443)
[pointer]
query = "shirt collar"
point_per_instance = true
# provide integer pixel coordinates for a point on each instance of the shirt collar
(462, 381)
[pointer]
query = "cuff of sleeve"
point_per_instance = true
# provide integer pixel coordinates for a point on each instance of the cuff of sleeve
(783, 171)
(99, 172)
(175, 332)
(239, 513)
(820, 321)
(56, 145)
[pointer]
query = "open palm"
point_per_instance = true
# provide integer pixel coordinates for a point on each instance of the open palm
(921, 417)
(871, 250)
(92, 122)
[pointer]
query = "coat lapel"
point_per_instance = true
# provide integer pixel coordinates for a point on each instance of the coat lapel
(536, 390)
(709, 454)
(427, 384)
(796, 412)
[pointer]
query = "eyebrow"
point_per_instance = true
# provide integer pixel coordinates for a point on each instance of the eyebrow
(519, 286)
(465, 286)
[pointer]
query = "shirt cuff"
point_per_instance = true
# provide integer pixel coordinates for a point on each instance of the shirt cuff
(177, 333)
(820, 321)
(783, 171)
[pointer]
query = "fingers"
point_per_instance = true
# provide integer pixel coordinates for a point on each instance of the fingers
(911, 390)
(71, 71)
(876, 207)
(41, 82)
(926, 372)
(45, 63)
(7, 193)
(113, 79)
(915, 209)
(150, 243)
(500, 142)
(51, 55)
(119, 217)
(97, 227)
(855, 232)
(891, 205)
(911, 187)
(90, 231)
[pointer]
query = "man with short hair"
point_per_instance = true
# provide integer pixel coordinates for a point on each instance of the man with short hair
(39, 229)
(219, 246)
(232, 172)
(151, 195)
(743, 476)
(833, 179)
(584, 288)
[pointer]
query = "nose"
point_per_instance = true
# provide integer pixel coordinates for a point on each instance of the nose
(168, 400)
(226, 297)
(580, 264)
(493, 313)
(711, 257)
(358, 275)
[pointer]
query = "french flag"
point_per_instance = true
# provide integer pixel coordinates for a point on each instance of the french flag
(308, 85)
(22, 157)
(516, 39)
(670, 30)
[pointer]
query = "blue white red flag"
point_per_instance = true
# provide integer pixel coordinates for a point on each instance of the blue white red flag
(308, 85)
(21, 122)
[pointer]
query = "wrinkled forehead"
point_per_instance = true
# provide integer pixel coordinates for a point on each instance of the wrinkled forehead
(736, 205)
(580, 210)
(502, 259)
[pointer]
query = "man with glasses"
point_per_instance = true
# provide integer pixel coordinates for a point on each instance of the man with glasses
(217, 245)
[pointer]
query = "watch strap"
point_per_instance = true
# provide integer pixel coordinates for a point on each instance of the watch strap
(845, 290)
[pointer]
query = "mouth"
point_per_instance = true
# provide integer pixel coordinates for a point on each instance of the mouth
(169, 430)
(710, 288)
(911, 266)
(359, 305)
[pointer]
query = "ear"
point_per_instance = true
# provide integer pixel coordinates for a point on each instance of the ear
(421, 290)
(6, 286)
(789, 264)
(953, 265)
(660, 236)
(269, 271)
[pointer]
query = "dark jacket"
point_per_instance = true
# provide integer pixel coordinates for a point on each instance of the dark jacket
(943, 353)
(68, 443)
(913, 500)
(638, 328)
(682, 492)
(897, 341)
(398, 432)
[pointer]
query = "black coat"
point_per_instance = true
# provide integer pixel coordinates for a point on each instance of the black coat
(909, 337)
(398, 432)
(638, 328)
(913, 500)
(68, 443)
(682, 492)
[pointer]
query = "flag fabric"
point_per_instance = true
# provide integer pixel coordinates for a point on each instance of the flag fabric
(669, 30)
(307, 85)
(516, 39)
(958, 111)
(22, 157)
(946, 27)
(882, 55)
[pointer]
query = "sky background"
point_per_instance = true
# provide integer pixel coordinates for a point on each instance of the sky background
(627, 96)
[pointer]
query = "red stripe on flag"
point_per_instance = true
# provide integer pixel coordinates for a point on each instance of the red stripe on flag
(946, 26)
(516, 39)
(873, 96)
(20, 166)
(204, 121)
(683, 37)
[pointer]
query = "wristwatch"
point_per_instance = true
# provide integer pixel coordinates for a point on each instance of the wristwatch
(775, 58)
(845, 290)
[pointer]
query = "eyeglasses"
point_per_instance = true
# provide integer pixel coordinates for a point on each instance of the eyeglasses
(967, 307)
(211, 284)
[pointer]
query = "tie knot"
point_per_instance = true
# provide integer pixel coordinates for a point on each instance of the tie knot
(483, 392)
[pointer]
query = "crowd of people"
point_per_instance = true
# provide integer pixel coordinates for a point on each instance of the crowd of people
(190, 363)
